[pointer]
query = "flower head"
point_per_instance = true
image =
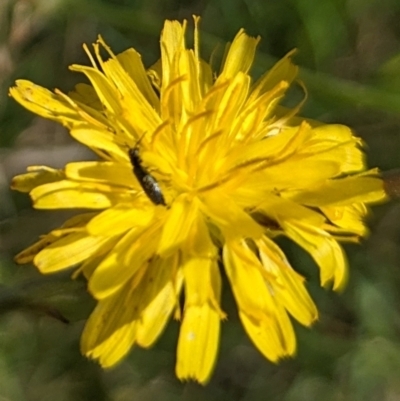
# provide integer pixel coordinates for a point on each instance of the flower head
(198, 173)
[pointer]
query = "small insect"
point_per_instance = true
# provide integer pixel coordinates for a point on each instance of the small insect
(146, 180)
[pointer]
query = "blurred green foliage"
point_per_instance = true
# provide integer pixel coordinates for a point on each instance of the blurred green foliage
(349, 54)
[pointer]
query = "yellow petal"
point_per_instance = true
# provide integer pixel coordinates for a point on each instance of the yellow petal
(191, 93)
(102, 172)
(279, 208)
(263, 317)
(85, 94)
(240, 56)
(343, 191)
(325, 250)
(199, 333)
(289, 288)
(261, 313)
(273, 336)
(88, 266)
(202, 282)
(288, 175)
(145, 118)
(198, 242)
(333, 134)
(134, 314)
(230, 104)
(229, 217)
(253, 116)
(172, 42)
(159, 295)
(178, 224)
(130, 255)
(68, 251)
(44, 103)
(198, 343)
(100, 139)
(70, 195)
(132, 63)
(74, 224)
(118, 219)
(350, 218)
(248, 285)
(110, 331)
(107, 94)
(283, 70)
(37, 175)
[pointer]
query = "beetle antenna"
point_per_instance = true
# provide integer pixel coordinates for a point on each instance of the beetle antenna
(140, 139)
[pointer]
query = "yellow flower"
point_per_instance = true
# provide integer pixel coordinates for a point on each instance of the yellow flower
(199, 172)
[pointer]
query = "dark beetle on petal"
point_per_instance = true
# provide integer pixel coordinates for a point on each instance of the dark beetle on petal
(146, 180)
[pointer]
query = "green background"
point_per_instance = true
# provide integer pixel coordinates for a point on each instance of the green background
(349, 54)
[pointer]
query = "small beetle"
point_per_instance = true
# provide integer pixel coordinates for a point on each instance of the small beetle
(146, 180)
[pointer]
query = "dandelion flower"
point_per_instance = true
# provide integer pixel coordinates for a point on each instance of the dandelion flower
(198, 172)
